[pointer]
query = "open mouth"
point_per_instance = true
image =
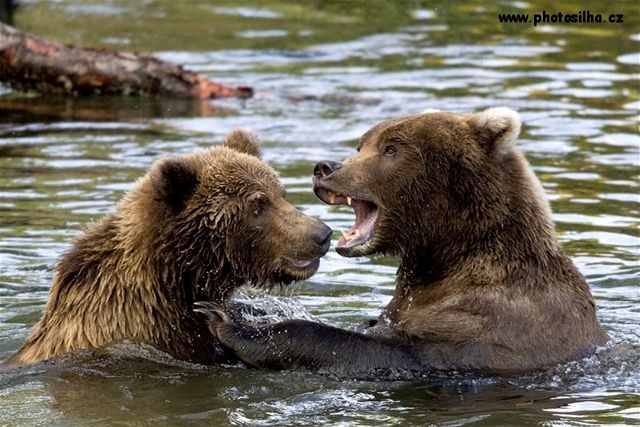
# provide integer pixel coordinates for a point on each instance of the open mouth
(366, 217)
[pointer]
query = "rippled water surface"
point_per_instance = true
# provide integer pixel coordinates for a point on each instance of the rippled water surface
(324, 72)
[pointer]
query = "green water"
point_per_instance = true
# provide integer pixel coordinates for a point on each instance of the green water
(65, 162)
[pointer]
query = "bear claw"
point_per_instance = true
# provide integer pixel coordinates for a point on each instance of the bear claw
(213, 312)
(206, 304)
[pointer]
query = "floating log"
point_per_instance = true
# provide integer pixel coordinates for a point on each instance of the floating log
(29, 63)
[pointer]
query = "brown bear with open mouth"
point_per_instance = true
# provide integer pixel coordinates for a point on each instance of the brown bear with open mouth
(195, 227)
(483, 284)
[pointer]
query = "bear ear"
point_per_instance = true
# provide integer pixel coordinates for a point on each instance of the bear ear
(496, 127)
(243, 140)
(174, 180)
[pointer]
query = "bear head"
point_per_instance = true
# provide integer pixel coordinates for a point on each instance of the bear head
(428, 179)
(214, 220)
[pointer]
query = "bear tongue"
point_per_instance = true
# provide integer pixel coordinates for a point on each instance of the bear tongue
(366, 217)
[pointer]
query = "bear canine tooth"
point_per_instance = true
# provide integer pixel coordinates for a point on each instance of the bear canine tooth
(345, 235)
(332, 197)
(349, 200)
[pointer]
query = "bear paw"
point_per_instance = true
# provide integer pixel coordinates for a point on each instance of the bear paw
(216, 315)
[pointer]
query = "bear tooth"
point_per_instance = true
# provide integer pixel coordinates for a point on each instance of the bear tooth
(332, 198)
(349, 200)
(345, 235)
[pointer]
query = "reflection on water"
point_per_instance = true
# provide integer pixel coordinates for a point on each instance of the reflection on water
(324, 72)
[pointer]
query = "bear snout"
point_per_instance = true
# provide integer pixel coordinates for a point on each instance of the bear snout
(321, 234)
(324, 168)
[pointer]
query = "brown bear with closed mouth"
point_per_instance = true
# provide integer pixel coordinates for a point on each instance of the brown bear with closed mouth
(483, 284)
(195, 227)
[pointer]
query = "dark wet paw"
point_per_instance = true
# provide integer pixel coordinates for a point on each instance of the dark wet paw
(216, 315)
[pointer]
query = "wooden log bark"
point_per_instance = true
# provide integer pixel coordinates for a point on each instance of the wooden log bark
(28, 63)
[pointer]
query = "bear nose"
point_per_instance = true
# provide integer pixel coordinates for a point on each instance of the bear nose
(325, 168)
(321, 234)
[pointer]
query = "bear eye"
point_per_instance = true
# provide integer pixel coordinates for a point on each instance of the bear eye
(390, 150)
(258, 207)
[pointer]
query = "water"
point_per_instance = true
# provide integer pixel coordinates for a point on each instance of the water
(324, 73)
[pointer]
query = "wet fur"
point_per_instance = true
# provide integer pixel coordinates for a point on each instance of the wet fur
(483, 284)
(181, 234)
